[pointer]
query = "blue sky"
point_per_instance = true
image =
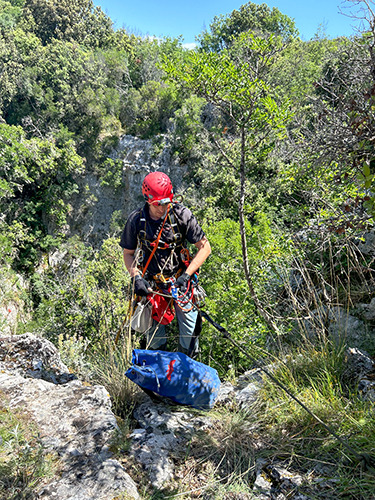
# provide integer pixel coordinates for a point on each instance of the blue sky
(188, 18)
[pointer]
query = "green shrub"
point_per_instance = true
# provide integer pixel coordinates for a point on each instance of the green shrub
(24, 463)
(85, 295)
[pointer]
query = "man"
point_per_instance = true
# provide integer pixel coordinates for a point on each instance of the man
(159, 232)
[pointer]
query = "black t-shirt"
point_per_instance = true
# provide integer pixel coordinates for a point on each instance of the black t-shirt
(167, 260)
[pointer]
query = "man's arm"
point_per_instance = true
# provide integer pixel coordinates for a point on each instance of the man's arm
(130, 262)
(141, 286)
(204, 250)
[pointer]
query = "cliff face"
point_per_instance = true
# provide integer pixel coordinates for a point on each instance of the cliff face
(98, 202)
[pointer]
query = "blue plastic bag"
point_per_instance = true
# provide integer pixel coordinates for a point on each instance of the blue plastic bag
(175, 376)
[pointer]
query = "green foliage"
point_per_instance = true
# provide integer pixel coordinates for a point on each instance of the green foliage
(301, 65)
(146, 112)
(90, 300)
(16, 49)
(332, 139)
(112, 176)
(24, 464)
(144, 63)
(10, 13)
(315, 376)
(237, 87)
(65, 85)
(187, 128)
(36, 182)
(70, 20)
(228, 299)
(250, 17)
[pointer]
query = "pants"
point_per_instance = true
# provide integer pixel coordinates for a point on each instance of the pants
(156, 337)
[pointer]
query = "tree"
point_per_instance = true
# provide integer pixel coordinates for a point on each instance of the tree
(70, 20)
(254, 117)
(332, 172)
(250, 17)
(36, 183)
(10, 13)
(63, 85)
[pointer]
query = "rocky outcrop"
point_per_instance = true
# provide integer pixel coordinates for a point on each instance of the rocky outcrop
(366, 245)
(74, 421)
(360, 370)
(341, 326)
(98, 202)
(163, 429)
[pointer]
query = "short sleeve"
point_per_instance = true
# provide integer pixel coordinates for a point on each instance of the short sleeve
(194, 232)
(130, 234)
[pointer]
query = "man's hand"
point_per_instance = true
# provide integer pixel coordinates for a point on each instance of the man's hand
(141, 286)
(182, 282)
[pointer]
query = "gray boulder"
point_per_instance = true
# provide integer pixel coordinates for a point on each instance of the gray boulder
(74, 421)
(341, 327)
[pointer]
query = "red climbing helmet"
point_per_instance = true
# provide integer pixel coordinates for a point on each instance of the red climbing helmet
(157, 188)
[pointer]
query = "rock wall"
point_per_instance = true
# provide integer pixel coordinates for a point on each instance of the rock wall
(95, 205)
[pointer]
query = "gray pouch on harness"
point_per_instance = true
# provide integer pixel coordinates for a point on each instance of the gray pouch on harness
(141, 320)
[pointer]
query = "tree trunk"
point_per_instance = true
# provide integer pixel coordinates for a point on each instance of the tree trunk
(245, 259)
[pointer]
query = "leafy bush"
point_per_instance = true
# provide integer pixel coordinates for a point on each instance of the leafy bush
(229, 301)
(36, 182)
(84, 295)
(146, 111)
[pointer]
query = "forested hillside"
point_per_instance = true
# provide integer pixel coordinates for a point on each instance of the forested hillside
(275, 136)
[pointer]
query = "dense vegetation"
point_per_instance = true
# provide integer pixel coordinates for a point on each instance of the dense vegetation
(278, 136)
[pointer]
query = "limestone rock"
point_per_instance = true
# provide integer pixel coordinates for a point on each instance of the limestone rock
(341, 326)
(367, 245)
(361, 368)
(162, 429)
(32, 356)
(74, 421)
(96, 203)
(367, 389)
(276, 482)
(367, 311)
(358, 364)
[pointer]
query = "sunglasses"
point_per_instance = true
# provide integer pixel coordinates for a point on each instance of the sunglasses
(161, 203)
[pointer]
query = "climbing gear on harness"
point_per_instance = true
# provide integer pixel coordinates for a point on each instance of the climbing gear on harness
(162, 309)
(157, 188)
(199, 295)
(155, 244)
(141, 320)
(182, 283)
(145, 243)
(141, 286)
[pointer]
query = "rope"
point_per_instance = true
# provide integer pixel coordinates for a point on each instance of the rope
(156, 243)
(364, 458)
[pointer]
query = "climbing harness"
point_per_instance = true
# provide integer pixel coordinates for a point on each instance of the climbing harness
(162, 305)
(163, 310)
(155, 244)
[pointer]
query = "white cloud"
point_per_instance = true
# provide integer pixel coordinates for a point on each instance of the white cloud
(189, 46)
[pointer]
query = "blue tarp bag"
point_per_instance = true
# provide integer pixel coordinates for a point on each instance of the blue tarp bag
(175, 376)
